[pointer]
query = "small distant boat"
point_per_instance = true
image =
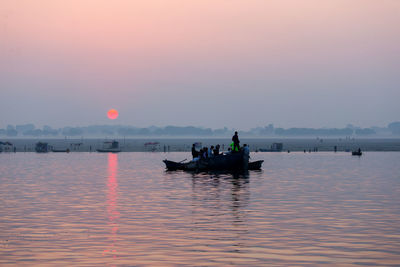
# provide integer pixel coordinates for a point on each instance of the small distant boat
(151, 146)
(41, 147)
(356, 153)
(110, 147)
(6, 146)
(60, 150)
(275, 147)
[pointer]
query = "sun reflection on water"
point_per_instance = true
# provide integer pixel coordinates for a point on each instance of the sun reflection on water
(112, 204)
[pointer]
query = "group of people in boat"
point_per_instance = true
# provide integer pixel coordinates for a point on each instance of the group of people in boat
(206, 152)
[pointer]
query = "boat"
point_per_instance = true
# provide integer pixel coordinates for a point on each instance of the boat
(110, 147)
(60, 150)
(6, 146)
(232, 162)
(357, 152)
(41, 147)
(275, 147)
(255, 165)
(151, 146)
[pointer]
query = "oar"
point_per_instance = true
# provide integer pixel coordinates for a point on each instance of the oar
(182, 161)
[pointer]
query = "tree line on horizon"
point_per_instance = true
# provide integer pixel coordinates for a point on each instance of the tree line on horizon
(29, 130)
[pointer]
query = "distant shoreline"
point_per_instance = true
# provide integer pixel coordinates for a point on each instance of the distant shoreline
(184, 144)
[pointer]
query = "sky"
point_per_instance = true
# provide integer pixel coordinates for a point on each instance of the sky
(208, 63)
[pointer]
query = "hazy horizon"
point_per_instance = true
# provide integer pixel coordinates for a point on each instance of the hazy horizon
(205, 63)
(117, 124)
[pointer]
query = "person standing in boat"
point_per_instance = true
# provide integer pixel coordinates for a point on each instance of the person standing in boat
(236, 142)
(194, 151)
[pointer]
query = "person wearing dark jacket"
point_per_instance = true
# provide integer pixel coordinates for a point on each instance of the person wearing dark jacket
(236, 142)
(195, 154)
(216, 150)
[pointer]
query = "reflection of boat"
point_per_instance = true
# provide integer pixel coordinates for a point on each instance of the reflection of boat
(275, 147)
(110, 146)
(233, 161)
(41, 147)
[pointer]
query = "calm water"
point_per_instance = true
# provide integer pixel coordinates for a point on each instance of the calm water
(108, 209)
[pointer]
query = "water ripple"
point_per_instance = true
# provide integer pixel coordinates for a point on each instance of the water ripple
(123, 210)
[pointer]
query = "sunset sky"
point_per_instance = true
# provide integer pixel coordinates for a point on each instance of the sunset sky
(240, 64)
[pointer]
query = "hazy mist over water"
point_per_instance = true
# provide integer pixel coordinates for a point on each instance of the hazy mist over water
(205, 63)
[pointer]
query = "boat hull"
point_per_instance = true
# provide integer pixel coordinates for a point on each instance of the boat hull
(269, 150)
(108, 150)
(256, 165)
(60, 150)
(229, 162)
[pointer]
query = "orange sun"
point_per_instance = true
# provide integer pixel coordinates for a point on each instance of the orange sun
(112, 114)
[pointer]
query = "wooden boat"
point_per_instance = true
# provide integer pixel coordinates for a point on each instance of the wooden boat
(108, 150)
(110, 147)
(6, 147)
(275, 147)
(41, 147)
(255, 165)
(356, 153)
(172, 165)
(233, 161)
(60, 150)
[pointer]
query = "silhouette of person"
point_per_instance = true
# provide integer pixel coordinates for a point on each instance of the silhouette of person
(236, 142)
(216, 150)
(194, 151)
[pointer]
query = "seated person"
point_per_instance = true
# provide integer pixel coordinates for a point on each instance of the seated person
(210, 152)
(205, 153)
(246, 149)
(216, 150)
(201, 153)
